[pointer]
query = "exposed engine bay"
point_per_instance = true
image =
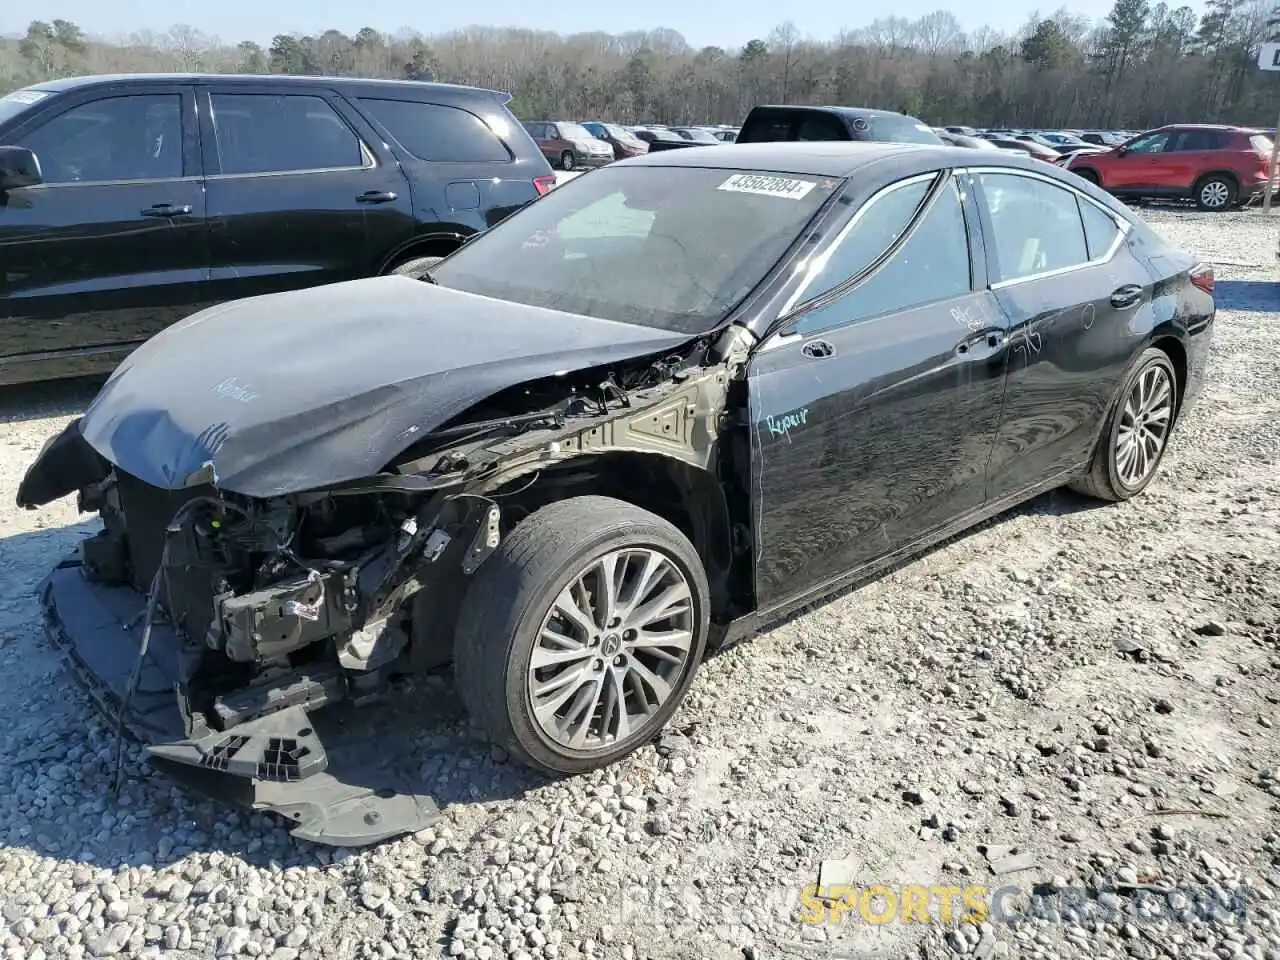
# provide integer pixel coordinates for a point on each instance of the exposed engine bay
(258, 612)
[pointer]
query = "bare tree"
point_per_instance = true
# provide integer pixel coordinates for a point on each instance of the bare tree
(1147, 63)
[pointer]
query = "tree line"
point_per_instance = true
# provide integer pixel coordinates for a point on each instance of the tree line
(1144, 65)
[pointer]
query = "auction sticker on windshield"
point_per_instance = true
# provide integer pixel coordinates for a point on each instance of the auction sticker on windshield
(767, 186)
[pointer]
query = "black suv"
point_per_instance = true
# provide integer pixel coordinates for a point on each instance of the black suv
(128, 202)
(767, 123)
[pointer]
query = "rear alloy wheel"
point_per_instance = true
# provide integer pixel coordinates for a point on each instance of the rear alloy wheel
(566, 161)
(580, 636)
(1136, 434)
(1215, 193)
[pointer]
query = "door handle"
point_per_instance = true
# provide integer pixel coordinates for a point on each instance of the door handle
(376, 196)
(166, 210)
(992, 340)
(1126, 296)
(818, 350)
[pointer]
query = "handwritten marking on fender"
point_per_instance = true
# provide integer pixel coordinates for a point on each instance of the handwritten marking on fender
(782, 425)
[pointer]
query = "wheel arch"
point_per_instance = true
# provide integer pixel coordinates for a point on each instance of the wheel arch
(687, 496)
(1226, 174)
(1177, 354)
(440, 241)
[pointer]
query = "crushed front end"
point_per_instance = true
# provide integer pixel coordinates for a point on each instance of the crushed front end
(257, 614)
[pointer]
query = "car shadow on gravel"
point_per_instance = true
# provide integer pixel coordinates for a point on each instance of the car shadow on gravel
(1248, 296)
(54, 398)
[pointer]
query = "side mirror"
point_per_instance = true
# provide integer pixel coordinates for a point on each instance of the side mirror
(1121, 151)
(19, 167)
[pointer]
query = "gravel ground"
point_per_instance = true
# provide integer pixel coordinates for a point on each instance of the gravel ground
(1071, 697)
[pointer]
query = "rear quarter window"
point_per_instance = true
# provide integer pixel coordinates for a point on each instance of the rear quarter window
(437, 133)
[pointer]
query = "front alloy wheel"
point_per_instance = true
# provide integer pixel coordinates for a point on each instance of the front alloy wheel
(611, 649)
(579, 637)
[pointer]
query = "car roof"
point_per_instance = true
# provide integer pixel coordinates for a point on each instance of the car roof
(75, 83)
(828, 158)
(836, 110)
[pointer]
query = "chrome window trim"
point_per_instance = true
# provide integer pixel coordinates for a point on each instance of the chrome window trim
(814, 266)
(112, 183)
(369, 160)
(1124, 227)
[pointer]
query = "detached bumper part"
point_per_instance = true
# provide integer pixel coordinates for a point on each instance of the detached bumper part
(325, 773)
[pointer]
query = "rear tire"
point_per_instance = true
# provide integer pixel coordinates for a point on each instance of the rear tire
(1136, 433)
(1216, 192)
(416, 267)
(1087, 174)
(616, 676)
(566, 161)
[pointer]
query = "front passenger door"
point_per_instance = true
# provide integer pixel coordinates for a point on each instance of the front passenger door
(111, 247)
(871, 425)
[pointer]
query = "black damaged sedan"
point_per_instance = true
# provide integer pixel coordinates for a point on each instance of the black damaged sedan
(664, 404)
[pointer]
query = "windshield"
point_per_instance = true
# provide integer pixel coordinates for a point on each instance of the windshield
(670, 247)
(18, 101)
(573, 131)
(618, 133)
(701, 136)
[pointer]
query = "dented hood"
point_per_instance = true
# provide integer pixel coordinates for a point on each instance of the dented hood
(294, 391)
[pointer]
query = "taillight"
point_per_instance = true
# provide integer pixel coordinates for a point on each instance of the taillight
(544, 184)
(1202, 277)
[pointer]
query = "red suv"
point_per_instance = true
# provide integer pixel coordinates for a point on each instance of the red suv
(1217, 167)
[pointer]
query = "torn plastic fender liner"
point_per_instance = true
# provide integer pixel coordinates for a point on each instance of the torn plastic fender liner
(66, 463)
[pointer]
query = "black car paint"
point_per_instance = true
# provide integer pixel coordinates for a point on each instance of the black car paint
(785, 123)
(1035, 403)
(1022, 409)
(851, 449)
(76, 300)
(283, 418)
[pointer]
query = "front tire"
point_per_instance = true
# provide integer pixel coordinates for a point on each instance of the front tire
(579, 637)
(1216, 192)
(566, 161)
(416, 267)
(1136, 434)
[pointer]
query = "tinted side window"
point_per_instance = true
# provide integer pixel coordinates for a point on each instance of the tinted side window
(932, 264)
(1037, 226)
(267, 133)
(1156, 143)
(432, 131)
(1100, 230)
(767, 126)
(1200, 140)
(902, 130)
(117, 138)
(821, 126)
(879, 225)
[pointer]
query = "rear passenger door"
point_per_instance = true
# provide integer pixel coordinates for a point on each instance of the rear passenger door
(1191, 153)
(1069, 287)
(295, 197)
(462, 172)
(110, 248)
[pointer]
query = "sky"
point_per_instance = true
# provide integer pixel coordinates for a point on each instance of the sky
(726, 23)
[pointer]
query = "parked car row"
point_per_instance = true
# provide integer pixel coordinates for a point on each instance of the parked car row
(1217, 166)
(130, 202)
